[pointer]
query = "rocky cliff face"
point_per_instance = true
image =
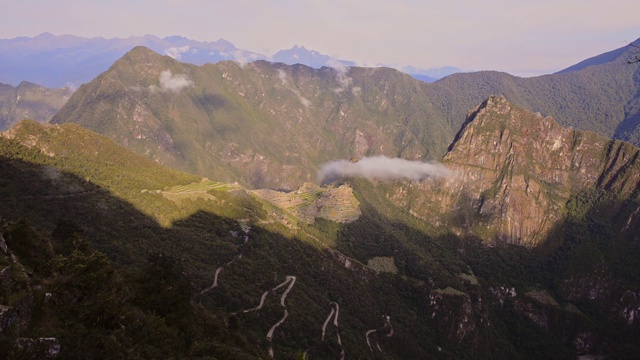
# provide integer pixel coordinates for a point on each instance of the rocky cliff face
(516, 170)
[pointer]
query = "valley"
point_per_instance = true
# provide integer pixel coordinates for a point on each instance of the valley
(175, 210)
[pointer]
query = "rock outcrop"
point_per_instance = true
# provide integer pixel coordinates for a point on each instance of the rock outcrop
(515, 171)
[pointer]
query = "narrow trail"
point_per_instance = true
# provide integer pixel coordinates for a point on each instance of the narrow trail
(270, 333)
(62, 196)
(292, 280)
(264, 296)
(335, 309)
(324, 326)
(389, 333)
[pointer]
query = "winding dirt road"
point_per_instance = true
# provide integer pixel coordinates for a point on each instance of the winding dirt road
(244, 228)
(387, 325)
(215, 276)
(291, 280)
(335, 309)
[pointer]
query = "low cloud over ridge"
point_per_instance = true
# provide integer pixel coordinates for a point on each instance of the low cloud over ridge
(382, 168)
(171, 83)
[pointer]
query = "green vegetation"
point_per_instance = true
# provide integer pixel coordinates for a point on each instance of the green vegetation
(129, 285)
(272, 125)
(383, 264)
(127, 248)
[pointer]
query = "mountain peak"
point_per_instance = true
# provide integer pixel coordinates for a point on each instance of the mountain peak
(517, 165)
(496, 124)
(44, 35)
(141, 56)
(140, 51)
(300, 55)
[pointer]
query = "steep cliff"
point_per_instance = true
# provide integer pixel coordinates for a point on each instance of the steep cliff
(515, 172)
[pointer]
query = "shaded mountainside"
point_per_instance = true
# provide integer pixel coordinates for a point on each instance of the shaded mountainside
(272, 125)
(29, 101)
(228, 278)
(515, 173)
(110, 299)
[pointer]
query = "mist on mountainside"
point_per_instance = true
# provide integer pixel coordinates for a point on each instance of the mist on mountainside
(381, 168)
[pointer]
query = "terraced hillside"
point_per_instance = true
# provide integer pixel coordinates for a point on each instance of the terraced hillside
(312, 201)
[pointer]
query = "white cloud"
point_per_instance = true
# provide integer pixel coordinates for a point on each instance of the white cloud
(244, 57)
(282, 75)
(341, 75)
(176, 52)
(303, 100)
(171, 83)
(382, 168)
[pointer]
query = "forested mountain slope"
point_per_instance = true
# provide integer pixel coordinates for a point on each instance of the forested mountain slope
(273, 125)
(231, 275)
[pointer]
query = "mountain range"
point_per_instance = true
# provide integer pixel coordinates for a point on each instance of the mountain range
(70, 61)
(245, 211)
(226, 120)
(67, 60)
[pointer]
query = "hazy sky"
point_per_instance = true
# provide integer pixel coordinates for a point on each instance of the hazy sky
(520, 37)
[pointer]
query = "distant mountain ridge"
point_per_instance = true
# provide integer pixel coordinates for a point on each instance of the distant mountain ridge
(68, 60)
(229, 121)
(300, 55)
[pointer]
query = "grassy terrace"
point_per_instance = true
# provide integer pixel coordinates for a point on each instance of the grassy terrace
(196, 190)
(311, 201)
